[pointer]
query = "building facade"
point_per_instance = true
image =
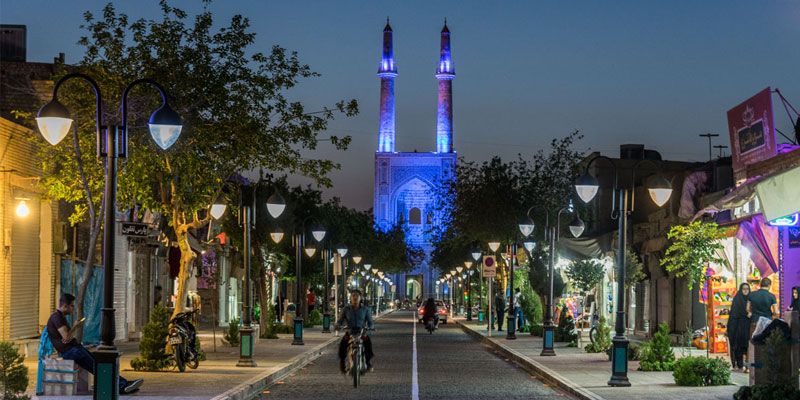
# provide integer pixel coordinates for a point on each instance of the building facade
(405, 181)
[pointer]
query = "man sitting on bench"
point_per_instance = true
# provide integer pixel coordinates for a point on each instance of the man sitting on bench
(68, 347)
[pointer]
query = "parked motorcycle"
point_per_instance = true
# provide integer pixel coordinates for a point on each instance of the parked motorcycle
(183, 339)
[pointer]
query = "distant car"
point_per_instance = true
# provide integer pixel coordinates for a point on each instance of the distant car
(441, 309)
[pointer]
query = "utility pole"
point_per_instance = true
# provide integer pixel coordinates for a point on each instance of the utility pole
(720, 147)
(709, 136)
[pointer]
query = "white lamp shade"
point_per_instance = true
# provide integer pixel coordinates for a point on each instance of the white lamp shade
(357, 259)
(367, 267)
(493, 246)
(310, 251)
(459, 269)
(586, 186)
(467, 264)
(476, 255)
(165, 135)
(660, 195)
(276, 205)
(526, 227)
(318, 234)
(374, 270)
(576, 227)
(276, 235)
(381, 274)
(363, 273)
(529, 246)
(342, 251)
(586, 192)
(54, 129)
(217, 210)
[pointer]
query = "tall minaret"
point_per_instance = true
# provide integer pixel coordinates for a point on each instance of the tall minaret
(444, 114)
(387, 72)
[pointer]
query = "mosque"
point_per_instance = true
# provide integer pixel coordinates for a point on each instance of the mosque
(405, 181)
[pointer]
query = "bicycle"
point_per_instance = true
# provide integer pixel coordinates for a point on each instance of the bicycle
(356, 361)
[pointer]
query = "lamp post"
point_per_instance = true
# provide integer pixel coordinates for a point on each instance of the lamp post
(165, 127)
(476, 256)
(494, 245)
(468, 265)
(526, 227)
(276, 202)
(660, 190)
(318, 232)
(341, 250)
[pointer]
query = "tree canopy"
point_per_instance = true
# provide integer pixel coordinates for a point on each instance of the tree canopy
(232, 100)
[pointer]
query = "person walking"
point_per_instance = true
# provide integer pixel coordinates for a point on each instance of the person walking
(499, 310)
(739, 327)
(762, 303)
(795, 304)
(518, 314)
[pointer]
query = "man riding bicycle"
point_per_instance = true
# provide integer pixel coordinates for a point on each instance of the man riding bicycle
(356, 316)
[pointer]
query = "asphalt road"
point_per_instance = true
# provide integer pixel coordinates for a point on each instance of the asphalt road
(449, 365)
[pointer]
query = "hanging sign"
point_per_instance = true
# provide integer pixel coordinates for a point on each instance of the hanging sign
(134, 229)
(752, 131)
(489, 267)
(794, 238)
(337, 264)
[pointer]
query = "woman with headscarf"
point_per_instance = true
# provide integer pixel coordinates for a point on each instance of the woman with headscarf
(739, 327)
(795, 304)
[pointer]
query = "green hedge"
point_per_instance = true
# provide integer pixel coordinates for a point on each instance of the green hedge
(702, 371)
(767, 392)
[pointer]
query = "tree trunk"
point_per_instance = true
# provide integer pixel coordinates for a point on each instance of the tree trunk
(187, 260)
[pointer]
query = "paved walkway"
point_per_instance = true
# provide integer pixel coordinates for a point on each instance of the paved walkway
(218, 376)
(587, 374)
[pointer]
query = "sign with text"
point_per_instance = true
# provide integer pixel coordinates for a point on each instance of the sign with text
(489, 267)
(134, 229)
(794, 237)
(337, 264)
(752, 131)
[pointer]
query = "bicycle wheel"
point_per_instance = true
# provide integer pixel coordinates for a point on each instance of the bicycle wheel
(356, 369)
(593, 334)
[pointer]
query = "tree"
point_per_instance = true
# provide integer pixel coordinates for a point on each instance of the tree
(539, 276)
(485, 201)
(634, 269)
(13, 372)
(585, 275)
(236, 116)
(693, 247)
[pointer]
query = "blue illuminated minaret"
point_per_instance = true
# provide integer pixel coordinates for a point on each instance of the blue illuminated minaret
(387, 72)
(444, 115)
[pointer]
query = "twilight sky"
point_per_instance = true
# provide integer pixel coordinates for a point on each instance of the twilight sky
(657, 73)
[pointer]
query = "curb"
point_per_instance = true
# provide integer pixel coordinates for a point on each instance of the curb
(252, 388)
(534, 367)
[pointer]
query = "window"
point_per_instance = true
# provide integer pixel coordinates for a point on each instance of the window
(414, 216)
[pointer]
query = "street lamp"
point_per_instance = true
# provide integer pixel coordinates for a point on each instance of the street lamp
(276, 234)
(660, 190)
(529, 245)
(468, 265)
(275, 206)
(576, 228)
(165, 126)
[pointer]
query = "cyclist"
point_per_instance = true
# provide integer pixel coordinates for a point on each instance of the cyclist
(356, 316)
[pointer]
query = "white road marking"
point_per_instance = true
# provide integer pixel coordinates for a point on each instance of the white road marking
(414, 383)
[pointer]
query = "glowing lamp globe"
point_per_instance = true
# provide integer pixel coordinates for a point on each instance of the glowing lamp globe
(357, 259)
(217, 210)
(318, 232)
(494, 245)
(54, 122)
(526, 227)
(310, 251)
(276, 235)
(576, 227)
(529, 245)
(275, 205)
(660, 190)
(342, 250)
(165, 126)
(476, 254)
(586, 186)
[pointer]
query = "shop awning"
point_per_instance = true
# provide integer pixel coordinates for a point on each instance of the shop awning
(737, 197)
(581, 248)
(780, 194)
